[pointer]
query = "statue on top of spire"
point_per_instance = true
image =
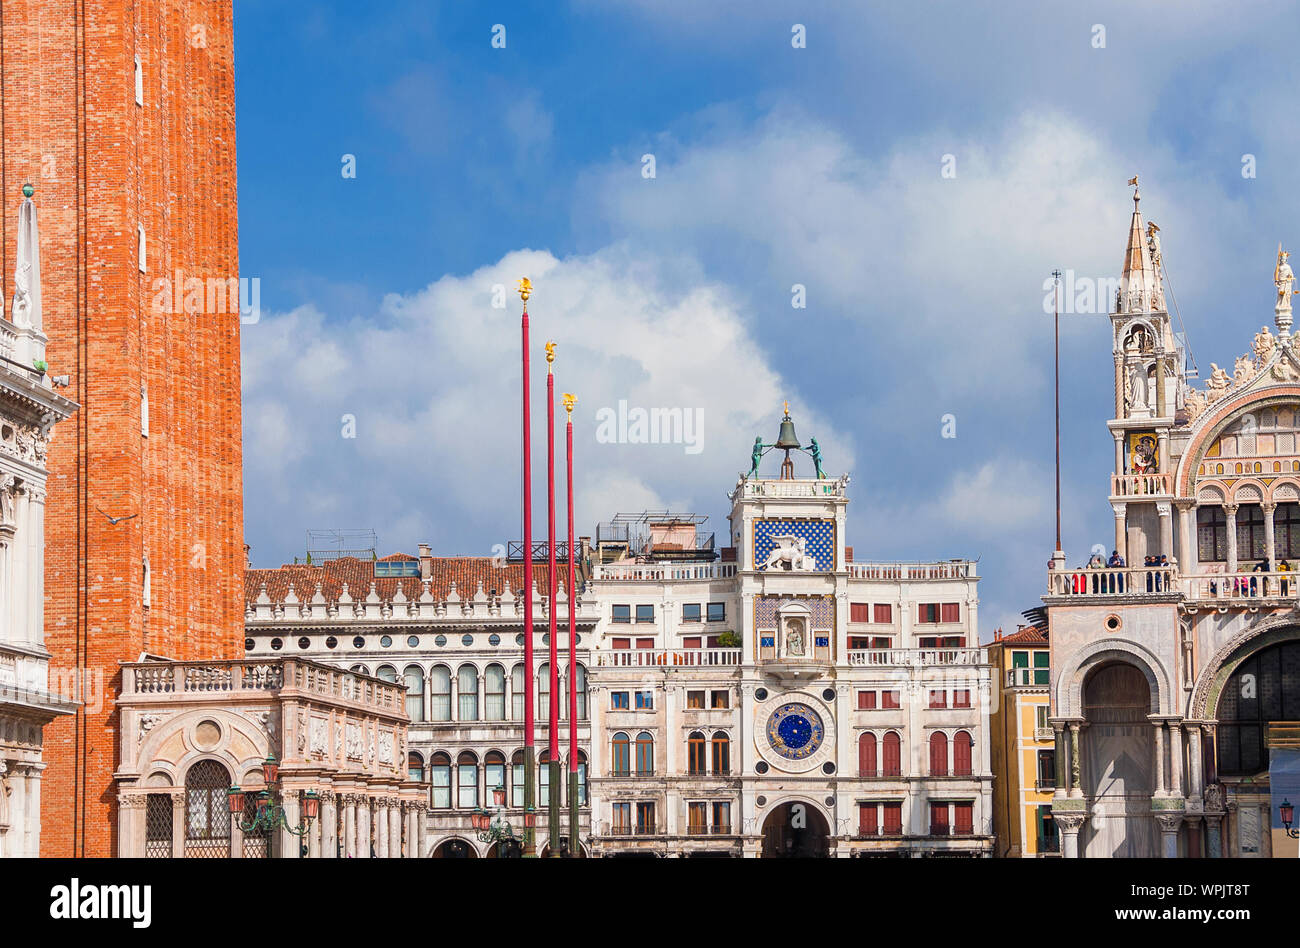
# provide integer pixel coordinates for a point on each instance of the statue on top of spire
(1283, 277)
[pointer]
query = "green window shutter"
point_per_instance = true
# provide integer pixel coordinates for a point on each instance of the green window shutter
(1019, 659)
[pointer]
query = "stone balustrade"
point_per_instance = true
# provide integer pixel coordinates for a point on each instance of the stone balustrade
(916, 657)
(1141, 485)
(689, 657)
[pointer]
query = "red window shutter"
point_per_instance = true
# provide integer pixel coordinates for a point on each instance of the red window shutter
(645, 643)
(622, 643)
(927, 612)
(961, 698)
(713, 642)
(693, 641)
(867, 755)
(961, 754)
(866, 700)
(884, 612)
(893, 755)
(867, 825)
(893, 819)
(859, 612)
(950, 612)
(938, 754)
(938, 819)
(964, 818)
(859, 643)
(938, 699)
(889, 700)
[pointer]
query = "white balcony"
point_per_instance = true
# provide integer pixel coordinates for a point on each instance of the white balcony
(1124, 581)
(952, 569)
(1240, 589)
(1142, 485)
(663, 572)
(682, 658)
(917, 657)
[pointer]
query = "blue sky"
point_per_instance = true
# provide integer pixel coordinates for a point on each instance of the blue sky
(775, 166)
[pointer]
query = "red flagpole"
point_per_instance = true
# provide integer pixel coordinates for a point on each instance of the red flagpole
(530, 766)
(574, 850)
(553, 764)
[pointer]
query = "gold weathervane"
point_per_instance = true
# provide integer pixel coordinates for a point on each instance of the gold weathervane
(550, 355)
(569, 402)
(525, 288)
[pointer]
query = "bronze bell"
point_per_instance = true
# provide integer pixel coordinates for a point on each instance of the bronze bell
(787, 440)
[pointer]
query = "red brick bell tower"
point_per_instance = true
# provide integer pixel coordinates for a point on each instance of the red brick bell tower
(122, 114)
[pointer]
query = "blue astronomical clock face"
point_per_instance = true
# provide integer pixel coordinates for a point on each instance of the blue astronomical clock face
(795, 731)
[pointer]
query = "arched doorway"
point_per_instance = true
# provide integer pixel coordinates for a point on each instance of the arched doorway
(505, 849)
(455, 849)
(795, 830)
(1263, 689)
(1117, 751)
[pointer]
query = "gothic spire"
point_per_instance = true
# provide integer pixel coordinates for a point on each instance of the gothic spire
(1140, 290)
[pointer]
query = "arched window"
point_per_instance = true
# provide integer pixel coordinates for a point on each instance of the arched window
(582, 779)
(207, 810)
(494, 693)
(962, 744)
(440, 780)
(517, 693)
(867, 755)
(580, 683)
(415, 767)
(645, 753)
(466, 781)
(386, 673)
(938, 754)
(544, 691)
(544, 778)
(695, 753)
(467, 686)
(517, 779)
(893, 756)
(414, 676)
(621, 760)
(494, 775)
(1263, 688)
(721, 753)
(360, 669)
(440, 693)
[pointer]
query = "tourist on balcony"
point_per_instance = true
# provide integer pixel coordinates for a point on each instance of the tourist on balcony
(1149, 562)
(1097, 562)
(1285, 567)
(1116, 562)
(1263, 566)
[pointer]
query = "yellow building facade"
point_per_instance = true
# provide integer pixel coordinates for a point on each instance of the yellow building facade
(1023, 748)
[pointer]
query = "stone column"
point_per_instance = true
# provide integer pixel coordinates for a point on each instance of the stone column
(421, 829)
(1230, 512)
(1269, 549)
(291, 843)
(1165, 511)
(329, 825)
(1159, 725)
(1213, 836)
(33, 814)
(394, 829)
(350, 826)
(363, 828)
(412, 830)
(178, 824)
(237, 837)
(1061, 757)
(1169, 823)
(1069, 824)
(1186, 533)
(1076, 789)
(381, 828)
(1176, 759)
(1196, 787)
(1160, 389)
(1121, 530)
(1119, 455)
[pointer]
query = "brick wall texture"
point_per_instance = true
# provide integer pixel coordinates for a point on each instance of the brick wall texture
(102, 166)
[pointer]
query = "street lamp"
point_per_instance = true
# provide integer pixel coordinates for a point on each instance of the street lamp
(1287, 812)
(496, 828)
(270, 813)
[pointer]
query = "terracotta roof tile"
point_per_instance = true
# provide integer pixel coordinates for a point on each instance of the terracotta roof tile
(465, 571)
(1030, 635)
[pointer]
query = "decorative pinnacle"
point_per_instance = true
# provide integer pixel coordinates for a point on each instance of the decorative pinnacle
(1133, 183)
(525, 288)
(569, 402)
(28, 190)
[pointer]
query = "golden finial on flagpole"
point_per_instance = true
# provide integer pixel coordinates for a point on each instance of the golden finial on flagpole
(550, 356)
(569, 401)
(525, 288)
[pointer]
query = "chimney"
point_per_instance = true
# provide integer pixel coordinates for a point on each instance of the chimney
(848, 554)
(426, 562)
(248, 556)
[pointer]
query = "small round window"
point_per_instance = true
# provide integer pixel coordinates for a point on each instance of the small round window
(1114, 623)
(359, 642)
(413, 641)
(386, 641)
(440, 641)
(277, 644)
(494, 639)
(519, 639)
(467, 640)
(304, 642)
(249, 645)
(331, 642)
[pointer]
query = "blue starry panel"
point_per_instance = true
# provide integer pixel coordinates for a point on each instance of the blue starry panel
(822, 607)
(818, 537)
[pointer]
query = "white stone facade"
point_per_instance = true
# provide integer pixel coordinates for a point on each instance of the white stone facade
(29, 409)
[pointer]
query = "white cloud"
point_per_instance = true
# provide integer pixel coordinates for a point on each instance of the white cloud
(433, 382)
(1000, 497)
